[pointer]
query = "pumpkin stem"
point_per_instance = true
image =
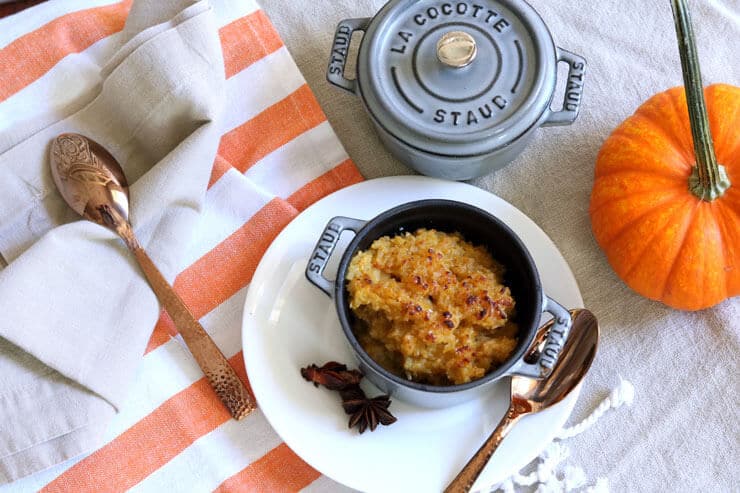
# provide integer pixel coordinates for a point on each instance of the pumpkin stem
(709, 179)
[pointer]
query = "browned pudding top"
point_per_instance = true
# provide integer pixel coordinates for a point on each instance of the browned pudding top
(432, 307)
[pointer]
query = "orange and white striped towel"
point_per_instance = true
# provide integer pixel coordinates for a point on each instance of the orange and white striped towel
(276, 155)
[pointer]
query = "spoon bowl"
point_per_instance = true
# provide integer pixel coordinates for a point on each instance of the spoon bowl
(530, 396)
(89, 179)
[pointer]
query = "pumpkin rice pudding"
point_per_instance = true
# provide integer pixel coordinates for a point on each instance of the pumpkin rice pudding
(431, 307)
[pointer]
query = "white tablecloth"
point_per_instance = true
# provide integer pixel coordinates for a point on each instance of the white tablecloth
(682, 432)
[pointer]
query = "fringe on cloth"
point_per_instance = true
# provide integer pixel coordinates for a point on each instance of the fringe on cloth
(552, 474)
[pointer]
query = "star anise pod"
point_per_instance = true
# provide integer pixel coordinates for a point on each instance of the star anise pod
(365, 412)
(332, 375)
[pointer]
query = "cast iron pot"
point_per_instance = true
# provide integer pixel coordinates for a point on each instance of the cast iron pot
(478, 227)
(456, 89)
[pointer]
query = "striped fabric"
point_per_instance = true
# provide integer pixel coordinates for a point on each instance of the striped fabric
(277, 156)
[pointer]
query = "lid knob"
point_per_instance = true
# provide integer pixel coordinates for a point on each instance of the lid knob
(456, 49)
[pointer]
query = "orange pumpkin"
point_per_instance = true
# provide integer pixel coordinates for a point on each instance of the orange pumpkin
(664, 209)
(661, 239)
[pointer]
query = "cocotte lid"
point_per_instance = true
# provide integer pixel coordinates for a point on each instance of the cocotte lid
(457, 78)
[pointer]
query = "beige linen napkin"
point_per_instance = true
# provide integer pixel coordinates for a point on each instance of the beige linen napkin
(75, 311)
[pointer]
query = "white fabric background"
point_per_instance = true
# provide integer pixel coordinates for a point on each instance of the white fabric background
(682, 432)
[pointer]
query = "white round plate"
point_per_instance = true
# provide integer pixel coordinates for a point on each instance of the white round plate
(289, 324)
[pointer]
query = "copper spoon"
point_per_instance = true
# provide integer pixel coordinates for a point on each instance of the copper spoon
(530, 396)
(92, 183)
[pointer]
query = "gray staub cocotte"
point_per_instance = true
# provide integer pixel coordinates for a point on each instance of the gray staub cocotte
(456, 89)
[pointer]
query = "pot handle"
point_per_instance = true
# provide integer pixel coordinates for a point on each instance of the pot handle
(340, 51)
(573, 90)
(556, 337)
(325, 247)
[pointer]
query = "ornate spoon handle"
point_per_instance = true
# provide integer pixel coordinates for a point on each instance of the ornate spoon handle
(465, 478)
(222, 377)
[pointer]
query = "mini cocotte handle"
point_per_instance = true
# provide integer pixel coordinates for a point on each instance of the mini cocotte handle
(556, 337)
(573, 90)
(340, 52)
(324, 249)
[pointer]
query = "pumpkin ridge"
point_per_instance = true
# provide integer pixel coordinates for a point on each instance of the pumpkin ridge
(725, 217)
(670, 137)
(678, 188)
(684, 120)
(674, 173)
(674, 262)
(718, 217)
(724, 135)
(734, 157)
(647, 243)
(621, 230)
(682, 170)
(731, 200)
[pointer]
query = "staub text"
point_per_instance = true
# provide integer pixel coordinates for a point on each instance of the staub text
(444, 11)
(324, 248)
(340, 49)
(574, 89)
